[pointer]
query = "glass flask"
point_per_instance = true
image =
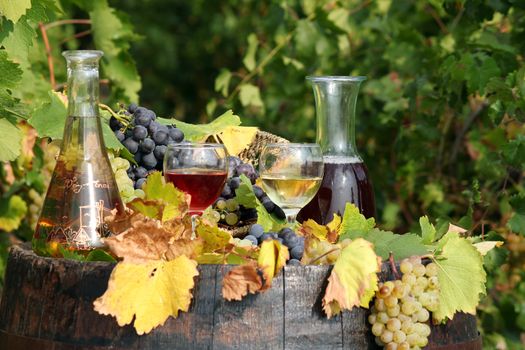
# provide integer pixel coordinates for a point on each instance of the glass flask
(345, 175)
(82, 191)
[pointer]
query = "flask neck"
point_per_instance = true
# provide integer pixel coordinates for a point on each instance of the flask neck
(335, 102)
(83, 82)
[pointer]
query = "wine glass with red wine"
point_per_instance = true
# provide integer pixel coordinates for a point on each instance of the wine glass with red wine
(199, 169)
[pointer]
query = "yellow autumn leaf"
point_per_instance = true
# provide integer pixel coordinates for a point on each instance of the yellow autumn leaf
(214, 238)
(272, 258)
(329, 232)
(237, 138)
(353, 280)
(150, 292)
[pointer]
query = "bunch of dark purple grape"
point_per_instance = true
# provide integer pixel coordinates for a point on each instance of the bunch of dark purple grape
(146, 139)
(286, 236)
(231, 212)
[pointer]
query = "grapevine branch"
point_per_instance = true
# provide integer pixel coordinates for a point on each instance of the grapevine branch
(49, 55)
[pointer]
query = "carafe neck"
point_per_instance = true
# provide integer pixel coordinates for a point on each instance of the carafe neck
(83, 82)
(335, 102)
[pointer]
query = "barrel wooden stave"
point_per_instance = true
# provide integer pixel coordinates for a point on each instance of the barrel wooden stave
(48, 304)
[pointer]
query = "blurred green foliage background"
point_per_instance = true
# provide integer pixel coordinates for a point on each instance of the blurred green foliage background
(440, 119)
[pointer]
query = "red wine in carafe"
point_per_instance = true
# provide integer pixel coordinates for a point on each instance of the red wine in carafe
(345, 180)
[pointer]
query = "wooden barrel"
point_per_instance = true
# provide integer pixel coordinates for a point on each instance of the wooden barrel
(48, 304)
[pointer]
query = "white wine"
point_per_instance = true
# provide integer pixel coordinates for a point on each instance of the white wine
(290, 191)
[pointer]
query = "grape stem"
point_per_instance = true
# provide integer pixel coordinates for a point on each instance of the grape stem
(116, 115)
(323, 255)
(393, 266)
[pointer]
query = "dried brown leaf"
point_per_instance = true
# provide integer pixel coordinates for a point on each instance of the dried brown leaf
(191, 248)
(240, 281)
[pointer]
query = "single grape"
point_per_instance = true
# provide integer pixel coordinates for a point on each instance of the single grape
(372, 318)
(176, 135)
(131, 174)
(215, 216)
(399, 336)
(115, 124)
(423, 315)
(248, 214)
(132, 107)
(144, 119)
(147, 145)
(292, 240)
(384, 291)
(433, 282)
(131, 145)
(377, 329)
(259, 193)
(220, 204)
(407, 326)
(387, 336)
(393, 311)
(149, 161)
(403, 346)
(120, 135)
(140, 132)
(431, 270)
(379, 303)
(390, 301)
(252, 239)
(231, 219)
(160, 137)
(266, 236)
(412, 339)
(226, 191)
(232, 164)
(138, 157)
(297, 252)
(159, 152)
(232, 205)
(256, 230)
(268, 204)
(140, 172)
(391, 346)
(247, 170)
(294, 262)
(153, 127)
(422, 282)
(139, 183)
(406, 266)
(419, 270)
(382, 317)
(408, 308)
(409, 279)
(234, 183)
(393, 324)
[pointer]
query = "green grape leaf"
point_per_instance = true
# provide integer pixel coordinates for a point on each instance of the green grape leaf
(49, 119)
(461, 277)
(268, 221)
(99, 255)
(10, 141)
(353, 280)
(14, 9)
(214, 238)
(517, 223)
(244, 194)
(428, 231)
(69, 254)
(123, 71)
(401, 246)
(10, 72)
(518, 202)
(222, 82)
(12, 210)
(249, 58)
(514, 152)
(162, 201)
(110, 140)
(201, 132)
(354, 223)
(250, 95)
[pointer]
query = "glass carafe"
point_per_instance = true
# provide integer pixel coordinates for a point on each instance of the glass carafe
(345, 176)
(83, 190)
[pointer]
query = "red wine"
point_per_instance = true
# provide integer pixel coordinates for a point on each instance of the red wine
(345, 180)
(203, 185)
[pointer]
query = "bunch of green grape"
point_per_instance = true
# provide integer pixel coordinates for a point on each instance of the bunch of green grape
(317, 252)
(229, 211)
(401, 311)
(125, 186)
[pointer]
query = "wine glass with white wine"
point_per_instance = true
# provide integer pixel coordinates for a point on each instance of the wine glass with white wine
(291, 174)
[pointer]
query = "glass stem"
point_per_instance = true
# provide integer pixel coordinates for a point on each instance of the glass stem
(291, 214)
